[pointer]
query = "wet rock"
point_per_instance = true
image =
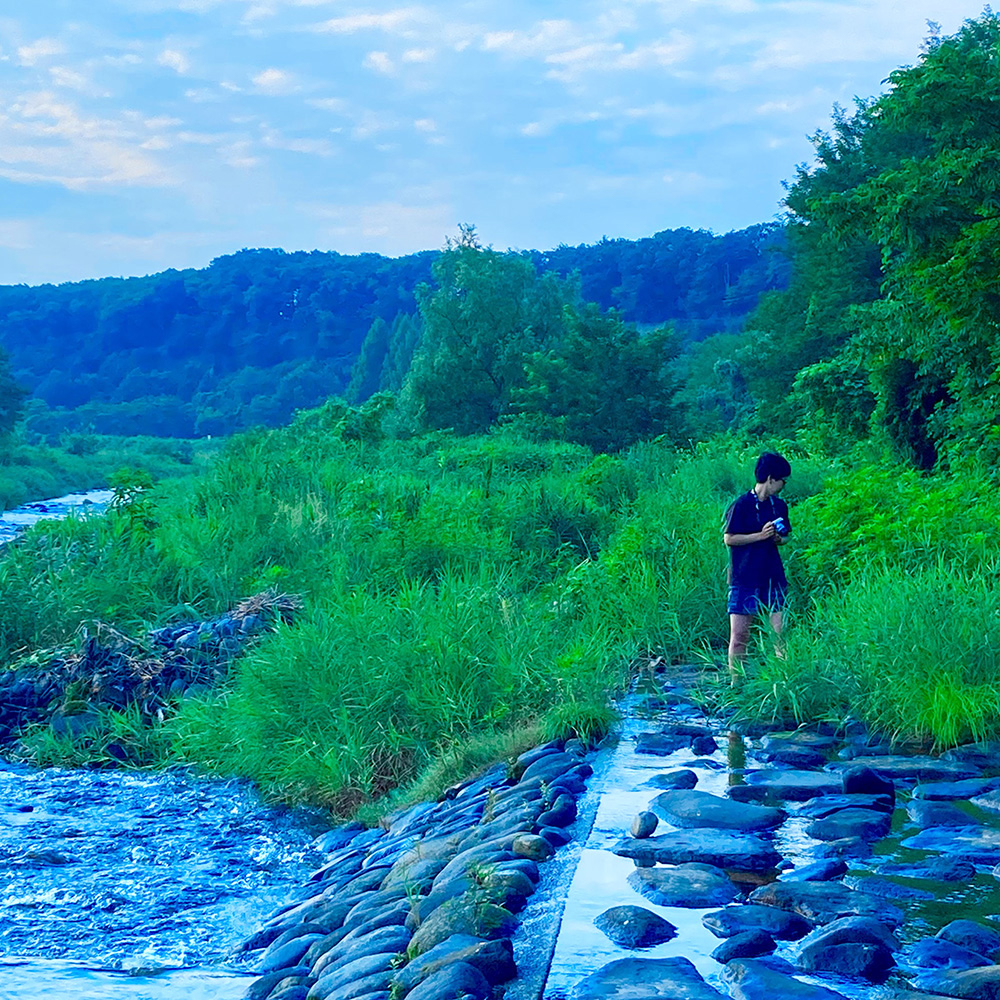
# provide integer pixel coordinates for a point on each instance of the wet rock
(288, 953)
(791, 785)
(936, 953)
(918, 768)
(780, 924)
(690, 809)
(556, 836)
(969, 984)
(645, 979)
(689, 729)
(644, 825)
(826, 805)
(550, 767)
(793, 757)
(797, 740)
(990, 801)
(261, 988)
(493, 959)
(847, 847)
(704, 745)
(967, 789)
(722, 848)
(634, 927)
(823, 902)
(525, 760)
(694, 885)
(863, 823)
(886, 889)
(936, 869)
(562, 813)
(460, 979)
(752, 979)
(973, 843)
(985, 754)
(659, 744)
(850, 946)
(928, 813)
(746, 944)
(819, 871)
(975, 937)
(338, 838)
(674, 779)
(864, 780)
(532, 846)
(465, 914)
(372, 970)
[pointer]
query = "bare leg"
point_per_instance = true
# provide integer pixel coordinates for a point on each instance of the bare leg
(739, 636)
(778, 624)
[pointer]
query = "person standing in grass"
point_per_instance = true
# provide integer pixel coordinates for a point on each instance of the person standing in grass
(756, 524)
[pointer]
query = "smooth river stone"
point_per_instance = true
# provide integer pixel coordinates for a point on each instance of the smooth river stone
(985, 754)
(970, 984)
(694, 810)
(918, 768)
(634, 927)
(795, 785)
(745, 917)
(673, 779)
(731, 851)
(825, 805)
(814, 741)
(929, 813)
(661, 745)
(967, 789)
(692, 885)
(980, 845)
(823, 902)
(645, 979)
(752, 979)
(936, 953)
(864, 823)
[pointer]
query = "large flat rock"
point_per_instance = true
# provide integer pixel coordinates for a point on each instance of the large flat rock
(751, 979)
(916, 768)
(645, 979)
(793, 785)
(725, 849)
(692, 810)
(970, 984)
(693, 885)
(823, 902)
(978, 844)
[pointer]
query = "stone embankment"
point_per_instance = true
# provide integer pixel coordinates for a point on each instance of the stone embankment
(822, 867)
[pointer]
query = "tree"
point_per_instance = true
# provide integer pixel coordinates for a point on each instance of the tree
(12, 396)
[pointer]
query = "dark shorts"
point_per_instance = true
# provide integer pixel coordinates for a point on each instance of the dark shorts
(754, 600)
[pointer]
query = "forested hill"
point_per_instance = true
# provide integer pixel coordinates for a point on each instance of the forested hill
(261, 333)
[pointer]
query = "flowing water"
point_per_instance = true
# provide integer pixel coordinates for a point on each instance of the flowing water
(14, 521)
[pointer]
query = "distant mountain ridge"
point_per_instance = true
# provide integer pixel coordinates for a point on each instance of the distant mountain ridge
(260, 333)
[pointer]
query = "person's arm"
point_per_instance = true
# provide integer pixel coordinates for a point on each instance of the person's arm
(734, 540)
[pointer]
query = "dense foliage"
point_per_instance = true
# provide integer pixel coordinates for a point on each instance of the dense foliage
(261, 333)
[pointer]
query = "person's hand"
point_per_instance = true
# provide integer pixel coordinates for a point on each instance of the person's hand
(768, 531)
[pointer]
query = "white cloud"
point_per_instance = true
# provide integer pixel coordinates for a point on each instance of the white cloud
(380, 62)
(274, 82)
(390, 227)
(175, 60)
(418, 55)
(335, 104)
(44, 48)
(425, 125)
(70, 79)
(393, 22)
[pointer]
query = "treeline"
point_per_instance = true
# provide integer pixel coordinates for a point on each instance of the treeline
(261, 333)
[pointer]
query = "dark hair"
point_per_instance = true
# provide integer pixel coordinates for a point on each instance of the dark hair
(773, 465)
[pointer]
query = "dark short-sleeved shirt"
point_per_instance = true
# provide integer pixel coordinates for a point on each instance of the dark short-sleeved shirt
(758, 564)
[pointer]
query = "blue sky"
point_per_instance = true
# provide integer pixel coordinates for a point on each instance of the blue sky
(137, 135)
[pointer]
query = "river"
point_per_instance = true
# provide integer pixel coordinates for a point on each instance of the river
(120, 885)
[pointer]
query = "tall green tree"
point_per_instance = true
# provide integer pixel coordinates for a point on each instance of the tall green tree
(12, 396)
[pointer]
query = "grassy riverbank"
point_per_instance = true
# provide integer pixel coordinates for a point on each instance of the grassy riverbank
(466, 595)
(37, 471)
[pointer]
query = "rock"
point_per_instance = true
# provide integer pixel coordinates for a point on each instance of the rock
(985, 754)
(556, 836)
(885, 888)
(823, 902)
(826, 805)
(74, 726)
(645, 979)
(975, 937)
(562, 813)
(847, 847)
(261, 988)
(780, 924)
(644, 825)
(937, 953)
(722, 848)
(800, 739)
(864, 823)
(690, 809)
(674, 779)
(863, 780)
(752, 979)
(462, 915)
(794, 785)
(493, 959)
(338, 838)
(936, 869)
(969, 984)
(918, 768)
(746, 944)
(794, 757)
(850, 930)
(460, 979)
(693, 885)
(373, 970)
(819, 871)
(634, 927)
(529, 845)
(977, 844)
(525, 760)
(929, 813)
(288, 953)
(689, 729)
(864, 961)
(659, 744)
(550, 767)
(968, 789)
(704, 745)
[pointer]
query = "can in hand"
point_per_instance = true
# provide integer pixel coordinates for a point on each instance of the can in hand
(780, 527)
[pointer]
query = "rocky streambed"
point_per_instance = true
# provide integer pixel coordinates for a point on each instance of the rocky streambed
(683, 861)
